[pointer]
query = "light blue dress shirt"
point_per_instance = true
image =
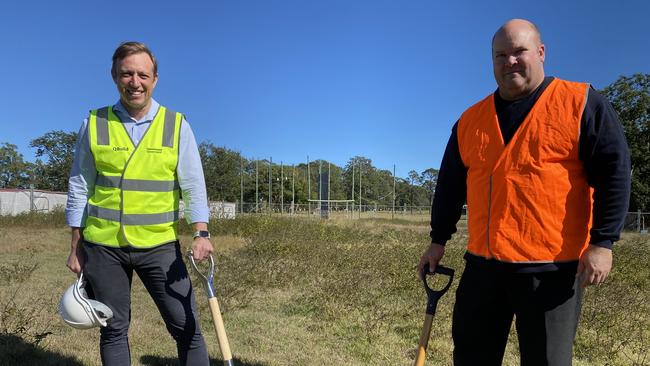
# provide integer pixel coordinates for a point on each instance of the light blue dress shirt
(81, 183)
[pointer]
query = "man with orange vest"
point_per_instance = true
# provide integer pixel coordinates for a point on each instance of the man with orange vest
(545, 170)
(132, 161)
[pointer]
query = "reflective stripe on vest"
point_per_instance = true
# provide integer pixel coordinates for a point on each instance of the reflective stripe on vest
(133, 219)
(102, 127)
(137, 185)
(136, 196)
(528, 201)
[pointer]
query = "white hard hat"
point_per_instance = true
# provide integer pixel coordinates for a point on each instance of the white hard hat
(80, 312)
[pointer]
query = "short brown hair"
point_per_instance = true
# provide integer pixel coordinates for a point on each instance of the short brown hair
(130, 48)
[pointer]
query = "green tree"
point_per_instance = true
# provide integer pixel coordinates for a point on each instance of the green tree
(223, 180)
(364, 173)
(14, 171)
(221, 168)
(414, 180)
(429, 179)
(301, 183)
(58, 147)
(630, 97)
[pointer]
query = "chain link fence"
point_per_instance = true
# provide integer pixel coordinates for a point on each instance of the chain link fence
(15, 201)
(336, 210)
(637, 222)
(634, 221)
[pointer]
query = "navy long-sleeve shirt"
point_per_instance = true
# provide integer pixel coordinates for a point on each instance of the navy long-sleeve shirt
(602, 149)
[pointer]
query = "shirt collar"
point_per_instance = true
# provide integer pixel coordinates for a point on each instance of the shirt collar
(124, 116)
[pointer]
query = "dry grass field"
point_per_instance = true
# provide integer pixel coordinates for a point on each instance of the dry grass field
(298, 292)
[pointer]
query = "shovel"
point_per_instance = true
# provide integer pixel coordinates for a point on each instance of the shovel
(432, 302)
(215, 311)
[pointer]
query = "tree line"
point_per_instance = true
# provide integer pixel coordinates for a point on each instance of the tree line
(229, 176)
(228, 173)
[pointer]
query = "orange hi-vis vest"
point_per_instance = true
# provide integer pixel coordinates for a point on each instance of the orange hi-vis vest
(528, 201)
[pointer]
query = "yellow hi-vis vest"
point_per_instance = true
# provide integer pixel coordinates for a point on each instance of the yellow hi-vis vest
(136, 195)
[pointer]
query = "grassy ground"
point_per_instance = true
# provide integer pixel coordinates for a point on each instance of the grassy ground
(298, 292)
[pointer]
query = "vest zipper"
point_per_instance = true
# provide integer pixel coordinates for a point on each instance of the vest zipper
(489, 214)
(126, 165)
(122, 196)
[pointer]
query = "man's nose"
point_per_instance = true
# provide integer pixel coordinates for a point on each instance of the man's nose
(134, 81)
(511, 60)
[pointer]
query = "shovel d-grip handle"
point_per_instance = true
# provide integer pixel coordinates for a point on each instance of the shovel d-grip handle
(208, 278)
(432, 302)
(434, 295)
(215, 311)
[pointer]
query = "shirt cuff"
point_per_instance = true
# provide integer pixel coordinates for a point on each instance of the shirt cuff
(604, 244)
(440, 241)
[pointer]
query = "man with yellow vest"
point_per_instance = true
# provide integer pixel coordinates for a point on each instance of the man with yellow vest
(132, 161)
(545, 170)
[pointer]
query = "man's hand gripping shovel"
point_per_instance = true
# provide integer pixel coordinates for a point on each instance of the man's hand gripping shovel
(214, 310)
(432, 302)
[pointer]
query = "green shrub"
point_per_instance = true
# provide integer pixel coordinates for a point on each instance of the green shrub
(53, 219)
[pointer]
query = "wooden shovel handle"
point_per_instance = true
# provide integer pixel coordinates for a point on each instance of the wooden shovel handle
(221, 331)
(424, 340)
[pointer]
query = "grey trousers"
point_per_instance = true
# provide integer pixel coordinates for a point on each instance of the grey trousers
(163, 273)
(545, 306)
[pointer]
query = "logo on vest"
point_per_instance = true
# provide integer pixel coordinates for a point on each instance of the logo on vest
(120, 148)
(152, 150)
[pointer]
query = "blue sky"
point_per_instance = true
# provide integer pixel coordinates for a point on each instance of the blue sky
(291, 78)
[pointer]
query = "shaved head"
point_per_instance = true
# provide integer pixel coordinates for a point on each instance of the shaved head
(518, 58)
(518, 24)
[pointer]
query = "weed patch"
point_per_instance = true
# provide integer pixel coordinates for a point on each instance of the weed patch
(21, 312)
(301, 291)
(615, 324)
(52, 219)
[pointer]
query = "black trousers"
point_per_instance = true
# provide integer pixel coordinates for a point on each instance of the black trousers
(163, 273)
(545, 306)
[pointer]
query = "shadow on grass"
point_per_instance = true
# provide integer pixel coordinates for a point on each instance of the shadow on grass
(16, 352)
(169, 361)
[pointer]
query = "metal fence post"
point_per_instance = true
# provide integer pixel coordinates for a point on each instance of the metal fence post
(32, 206)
